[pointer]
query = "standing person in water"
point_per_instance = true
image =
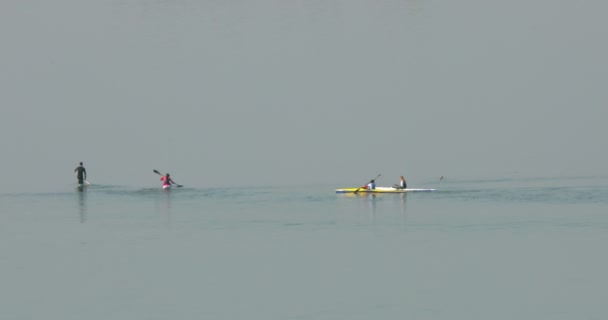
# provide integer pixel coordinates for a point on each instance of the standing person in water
(167, 182)
(402, 184)
(81, 174)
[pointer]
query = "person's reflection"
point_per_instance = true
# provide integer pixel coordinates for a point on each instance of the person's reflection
(369, 201)
(167, 205)
(403, 207)
(372, 199)
(82, 205)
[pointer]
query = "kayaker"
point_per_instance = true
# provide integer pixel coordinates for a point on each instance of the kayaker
(81, 173)
(166, 179)
(371, 185)
(402, 184)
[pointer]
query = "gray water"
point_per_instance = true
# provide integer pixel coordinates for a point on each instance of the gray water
(505, 248)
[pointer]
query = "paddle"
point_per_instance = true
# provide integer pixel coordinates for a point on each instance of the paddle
(378, 176)
(160, 174)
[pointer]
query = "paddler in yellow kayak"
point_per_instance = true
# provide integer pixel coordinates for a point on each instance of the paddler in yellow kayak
(401, 185)
(370, 186)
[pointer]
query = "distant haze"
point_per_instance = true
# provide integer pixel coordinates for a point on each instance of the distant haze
(276, 92)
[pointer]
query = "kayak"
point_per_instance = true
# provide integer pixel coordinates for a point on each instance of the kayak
(382, 190)
(166, 186)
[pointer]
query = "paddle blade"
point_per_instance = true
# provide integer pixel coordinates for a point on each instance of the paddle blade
(156, 171)
(179, 185)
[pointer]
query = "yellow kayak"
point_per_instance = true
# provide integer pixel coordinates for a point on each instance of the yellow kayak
(381, 190)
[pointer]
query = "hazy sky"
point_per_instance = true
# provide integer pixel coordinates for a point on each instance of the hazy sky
(300, 92)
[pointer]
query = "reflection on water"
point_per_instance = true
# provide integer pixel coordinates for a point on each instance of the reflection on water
(82, 204)
(373, 206)
(402, 201)
(369, 205)
(381, 208)
(166, 205)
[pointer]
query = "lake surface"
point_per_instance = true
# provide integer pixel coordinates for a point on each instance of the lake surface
(504, 248)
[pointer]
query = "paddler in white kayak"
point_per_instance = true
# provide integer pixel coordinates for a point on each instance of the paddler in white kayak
(167, 182)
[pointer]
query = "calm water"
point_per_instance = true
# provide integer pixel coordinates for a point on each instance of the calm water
(485, 249)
